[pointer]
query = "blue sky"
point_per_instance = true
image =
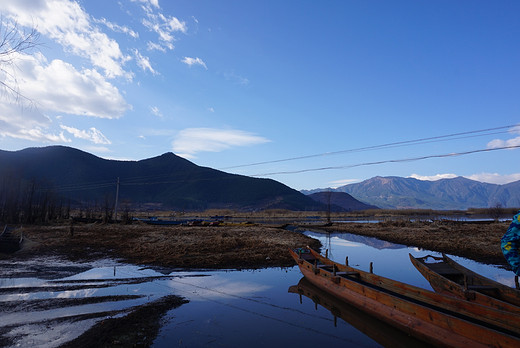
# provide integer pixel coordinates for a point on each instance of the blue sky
(232, 83)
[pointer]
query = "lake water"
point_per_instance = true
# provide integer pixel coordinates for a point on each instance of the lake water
(226, 308)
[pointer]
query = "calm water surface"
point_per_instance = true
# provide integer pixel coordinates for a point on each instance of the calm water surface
(231, 308)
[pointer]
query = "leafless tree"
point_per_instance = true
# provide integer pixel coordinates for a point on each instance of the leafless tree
(13, 41)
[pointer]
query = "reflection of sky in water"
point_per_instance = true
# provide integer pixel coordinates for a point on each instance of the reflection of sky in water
(226, 308)
(394, 262)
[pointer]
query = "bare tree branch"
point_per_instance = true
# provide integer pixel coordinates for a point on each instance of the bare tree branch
(13, 42)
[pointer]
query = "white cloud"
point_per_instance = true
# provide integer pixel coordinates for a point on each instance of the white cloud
(495, 178)
(54, 87)
(91, 134)
(152, 46)
(433, 177)
(491, 178)
(193, 140)
(144, 62)
(164, 26)
(59, 87)
(155, 110)
(194, 61)
(497, 143)
(148, 3)
(68, 24)
(118, 28)
(211, 109)
(26, 123)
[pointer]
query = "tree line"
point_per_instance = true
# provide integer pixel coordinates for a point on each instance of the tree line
(33, 202)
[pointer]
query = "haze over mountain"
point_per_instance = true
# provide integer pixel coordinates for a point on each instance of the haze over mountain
(340, 201)
(165, 182)
(457, 193)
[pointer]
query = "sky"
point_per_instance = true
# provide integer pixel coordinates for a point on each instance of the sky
(309, 93)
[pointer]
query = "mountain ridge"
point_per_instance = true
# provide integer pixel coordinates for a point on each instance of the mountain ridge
(459, 193)
(167, 180)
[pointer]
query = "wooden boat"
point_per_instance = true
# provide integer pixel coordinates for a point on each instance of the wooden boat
(448, 277)
(378, 330)
(9, 243)
(436, 318)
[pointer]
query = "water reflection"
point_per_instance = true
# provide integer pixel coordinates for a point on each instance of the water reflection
(381, 332)
(226, 308)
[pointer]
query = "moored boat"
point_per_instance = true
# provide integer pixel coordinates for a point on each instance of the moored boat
(449, 277)
(435, 318)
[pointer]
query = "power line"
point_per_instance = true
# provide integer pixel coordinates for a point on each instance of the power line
(460, 135)
(412, 159)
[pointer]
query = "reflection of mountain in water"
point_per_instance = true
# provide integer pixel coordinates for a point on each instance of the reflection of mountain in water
(369, 241)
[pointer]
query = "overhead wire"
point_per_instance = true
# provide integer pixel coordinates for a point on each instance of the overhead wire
(150, 179)
(411, 159)
(387, 145)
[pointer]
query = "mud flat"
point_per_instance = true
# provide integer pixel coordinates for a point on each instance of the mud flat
(237, 246)
(477, 241)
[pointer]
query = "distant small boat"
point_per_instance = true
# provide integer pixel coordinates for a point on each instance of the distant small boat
(9, 243)
(438, 319)
(448, 277)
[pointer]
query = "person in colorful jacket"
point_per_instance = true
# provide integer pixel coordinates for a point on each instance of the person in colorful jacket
(511, 244)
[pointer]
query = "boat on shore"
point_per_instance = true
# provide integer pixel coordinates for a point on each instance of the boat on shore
(449, 277)
(9, 243)
(438, 319)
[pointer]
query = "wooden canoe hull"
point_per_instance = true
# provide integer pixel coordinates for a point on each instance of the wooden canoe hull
(449, 277)
(400, 305)
(378, 330)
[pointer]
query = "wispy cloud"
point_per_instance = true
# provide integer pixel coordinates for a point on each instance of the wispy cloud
(155, 110)
(144, 62)
(194, 140)
(92, 135)
(163, 25)
(118, 28)
(235, 78)
(194, 61)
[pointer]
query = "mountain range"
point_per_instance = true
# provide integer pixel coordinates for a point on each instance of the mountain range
(164, 182)
(457, 193)
(172, 182)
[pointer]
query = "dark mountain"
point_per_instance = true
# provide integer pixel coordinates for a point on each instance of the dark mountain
(168, 181)
(457, 193)
(340, 201)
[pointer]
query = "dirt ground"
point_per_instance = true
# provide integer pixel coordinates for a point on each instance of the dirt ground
(237, 246)
(477, 241)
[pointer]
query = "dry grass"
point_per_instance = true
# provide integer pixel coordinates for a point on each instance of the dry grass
(477, 241)
(244, 246)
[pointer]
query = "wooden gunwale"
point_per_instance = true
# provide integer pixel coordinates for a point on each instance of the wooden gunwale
(499, 295)
(422, 313)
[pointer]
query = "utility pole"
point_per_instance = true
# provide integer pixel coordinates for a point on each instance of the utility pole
(117, 197)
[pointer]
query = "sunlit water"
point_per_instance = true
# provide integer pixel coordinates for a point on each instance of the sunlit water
(226, 308)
